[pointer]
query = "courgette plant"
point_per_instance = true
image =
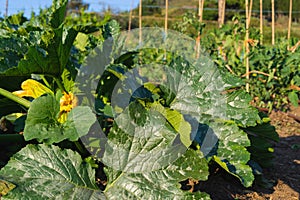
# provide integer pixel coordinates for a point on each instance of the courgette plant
(152, 143)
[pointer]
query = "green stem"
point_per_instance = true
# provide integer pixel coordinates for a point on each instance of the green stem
(15, 98)
(80, 148)
(60, 85)
(45, 81)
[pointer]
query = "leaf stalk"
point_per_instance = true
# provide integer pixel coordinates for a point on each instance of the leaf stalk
(15, 98)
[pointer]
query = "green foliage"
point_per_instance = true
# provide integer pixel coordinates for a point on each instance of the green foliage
(293, 98)
(44, 172)
(76, 178)
(159, 184)
(52, 54)
(274, 69)
(147, 159)
(232, 154)
(189, 25)
(151, 7)
(166, 133)
(282, 66)
(43, 125)
(261, 137)
(42, 47)
(139, 144)
(201, 100)
(281, 7)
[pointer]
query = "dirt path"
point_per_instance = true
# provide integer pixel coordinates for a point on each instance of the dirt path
(286, 172)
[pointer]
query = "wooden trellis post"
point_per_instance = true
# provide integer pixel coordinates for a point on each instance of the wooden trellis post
(248, 20)
(261, 22)
(273, 21)
(166, 16)
(198, 40)
(224, 10)
(221, 8)
(130, 16)
(290, 20)
(250, 12)
(201, 5)
(140, 22)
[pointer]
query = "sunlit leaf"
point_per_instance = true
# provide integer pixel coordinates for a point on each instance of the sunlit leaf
(47, 172)
(42, 124)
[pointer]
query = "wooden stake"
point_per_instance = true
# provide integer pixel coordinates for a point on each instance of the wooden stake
(290, 20)
(140, 22)
(166, 32)
(166, 16)
(247, 14)
(130, 16)
(223, 12)
(273, 22)
(250, 12)
(198, 39)
(261, 22)
(247, 44)
(200, 13)
(221, 6)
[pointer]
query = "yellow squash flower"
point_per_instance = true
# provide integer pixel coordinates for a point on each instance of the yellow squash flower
(67, 103)
(32, 88)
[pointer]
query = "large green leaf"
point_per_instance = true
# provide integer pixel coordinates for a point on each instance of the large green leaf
(177, 121)
(261, 135)
(12, 49)
(226, 144)
(239, 109)
(180, 83)
(47, 48)
(232, 154)
(198, 91)
(47, 172)
(142, 138)
(50, 58)
(58, 12)
(159, 184)
(145, 159)
(294, 99)
(42, 121)
(201, 91)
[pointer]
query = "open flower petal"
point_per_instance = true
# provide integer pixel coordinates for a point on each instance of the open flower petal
(32, 88)
(67, 102)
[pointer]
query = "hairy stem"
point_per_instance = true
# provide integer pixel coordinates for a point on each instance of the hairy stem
(15, 98)
(81, 149)
(60, 85)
